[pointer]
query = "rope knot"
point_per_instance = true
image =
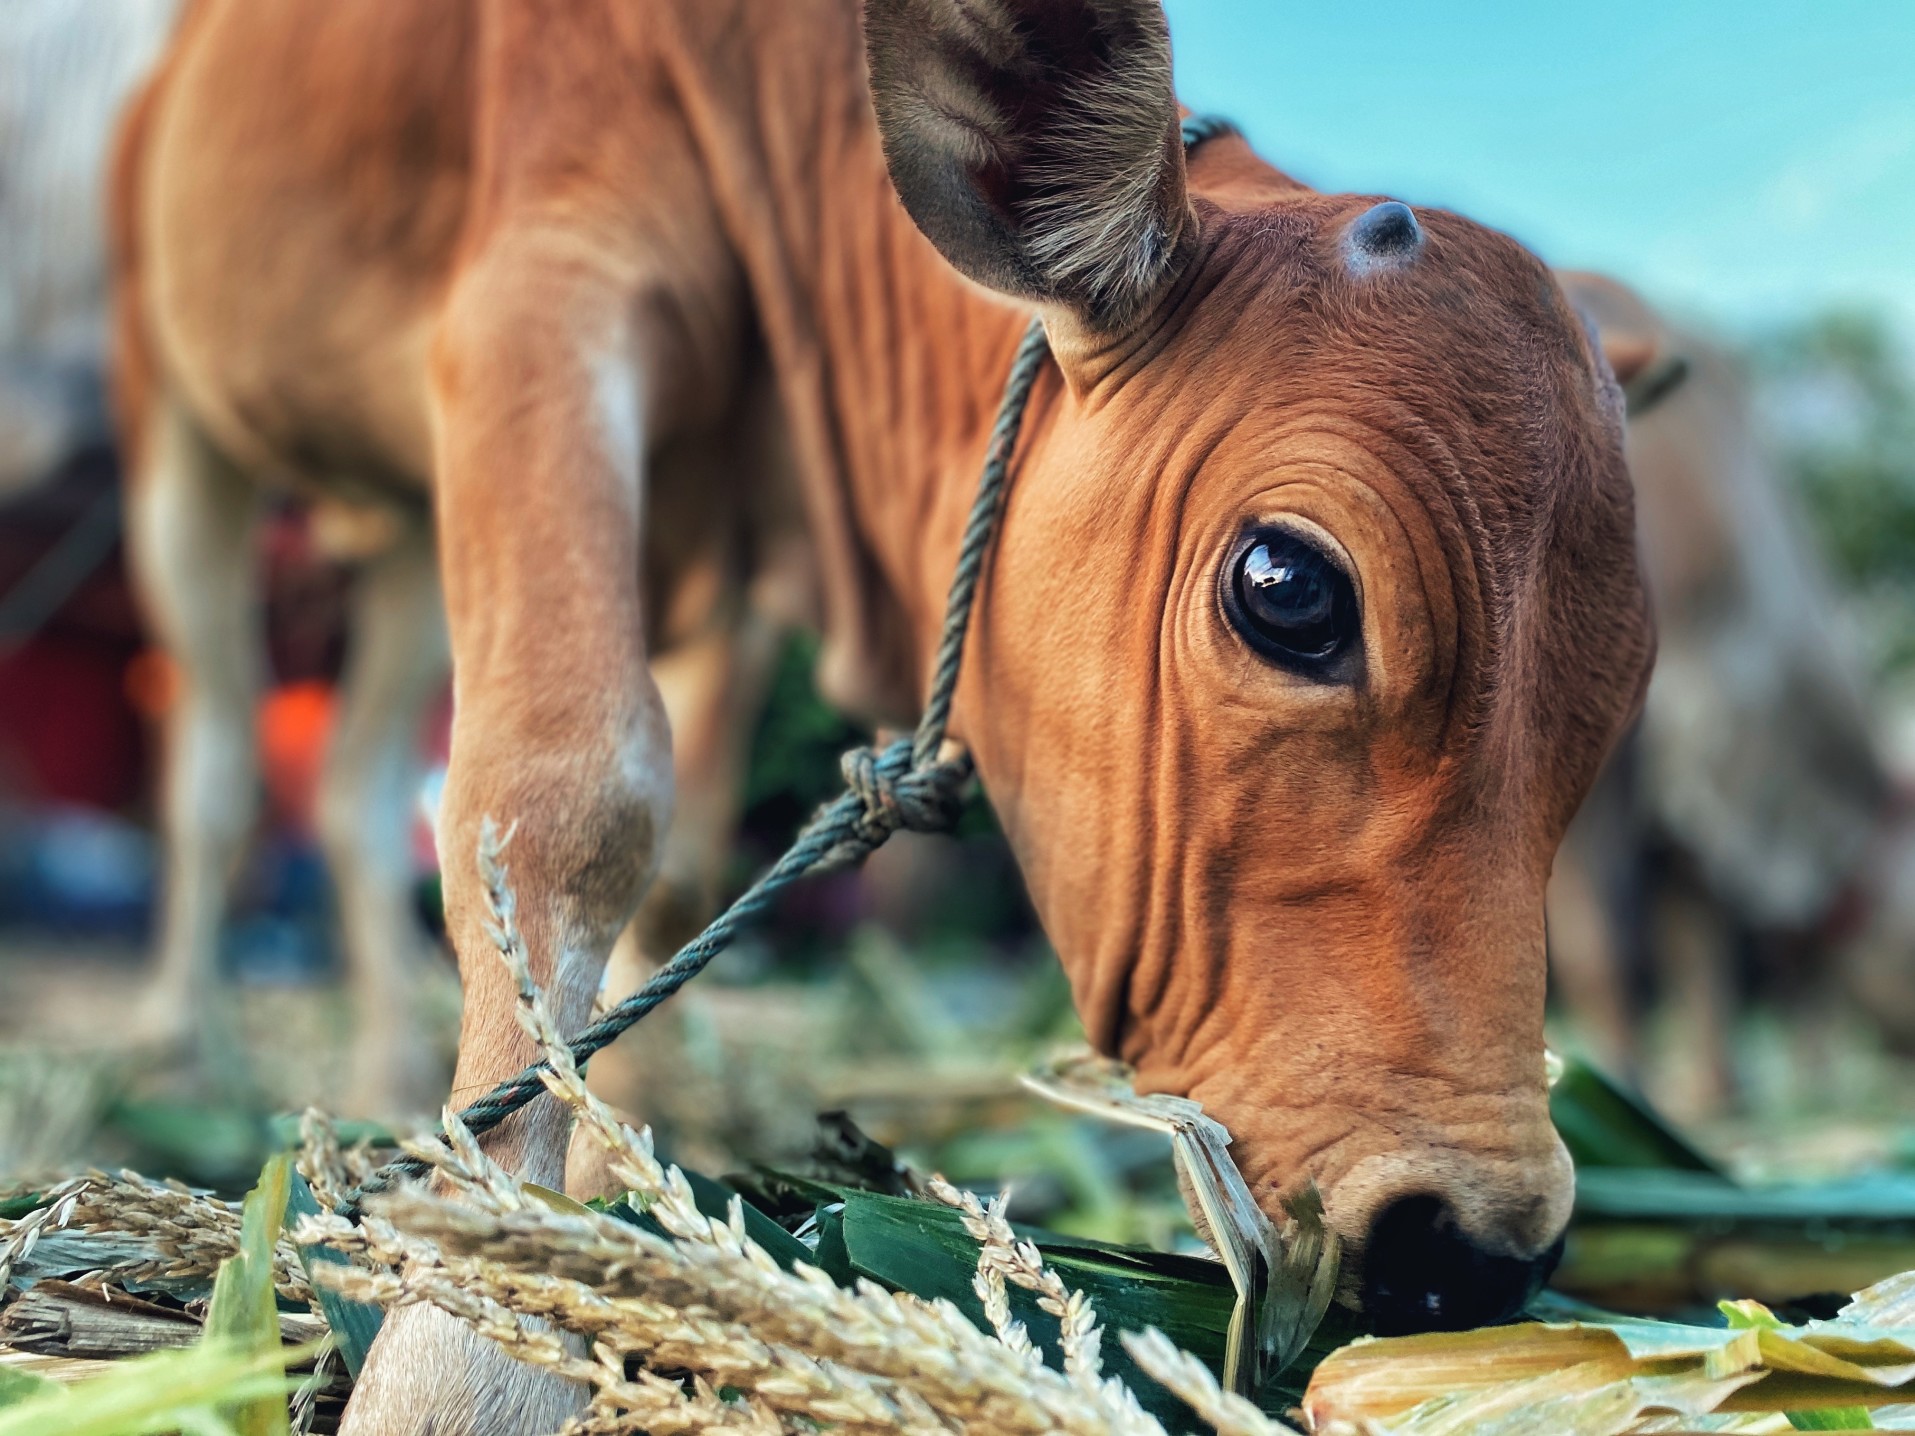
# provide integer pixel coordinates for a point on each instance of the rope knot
(894, 794)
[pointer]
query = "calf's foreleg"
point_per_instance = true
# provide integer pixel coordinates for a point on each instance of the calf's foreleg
(558, 732)
(714, 686)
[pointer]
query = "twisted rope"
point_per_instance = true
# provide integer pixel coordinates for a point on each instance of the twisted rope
(907, 783)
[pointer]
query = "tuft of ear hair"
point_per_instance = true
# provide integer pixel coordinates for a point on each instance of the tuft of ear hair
(1036, 144)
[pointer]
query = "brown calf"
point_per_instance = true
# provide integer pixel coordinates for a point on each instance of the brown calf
(1315, 607)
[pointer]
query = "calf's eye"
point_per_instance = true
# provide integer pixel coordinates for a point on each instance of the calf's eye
(1289, 599)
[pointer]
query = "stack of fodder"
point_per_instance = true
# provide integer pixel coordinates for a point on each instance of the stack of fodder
(679, 1307)
(223, 1341)
(696, 1320)
(691, 1323)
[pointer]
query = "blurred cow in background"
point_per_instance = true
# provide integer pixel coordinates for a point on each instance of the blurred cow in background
(65, 68)
(1748, 826)
(80, 684)
(72, 748)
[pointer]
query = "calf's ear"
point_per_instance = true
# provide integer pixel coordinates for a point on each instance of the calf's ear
(1036, 144)
(1627, 331)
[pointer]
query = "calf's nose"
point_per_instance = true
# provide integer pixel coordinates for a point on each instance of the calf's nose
(1423, 1272)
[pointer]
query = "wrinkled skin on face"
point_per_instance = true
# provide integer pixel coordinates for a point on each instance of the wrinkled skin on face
(1309, 896)
(1315, 903)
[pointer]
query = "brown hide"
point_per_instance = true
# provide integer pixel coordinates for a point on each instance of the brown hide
(525, 256)
(1315, 906)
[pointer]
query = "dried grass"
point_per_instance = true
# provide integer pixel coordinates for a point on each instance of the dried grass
(181, 1234)
(684, 1324)
(673, 1318)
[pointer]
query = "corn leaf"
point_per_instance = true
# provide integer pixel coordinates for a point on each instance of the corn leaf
(556, 1201)
(1467, 1381)
(1303, 1285)
(715, 1199)
(244, 1314)
(1605, 1125)
(1661, 1239)
(206, 1144)
(923, 1248)
(1836, 1418)
(1883, 1199)
(1284, 1282)
(162, 1392)
(354, 1324)
(1889, 1303)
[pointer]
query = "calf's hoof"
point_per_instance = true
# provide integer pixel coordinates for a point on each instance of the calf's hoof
(163, 1025)
(429, 1374)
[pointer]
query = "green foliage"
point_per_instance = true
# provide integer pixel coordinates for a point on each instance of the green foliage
(183, 1390)
(715, 1199)
(354, 1324)
(244, 1313)
(921, 1247)
(793, 769)
(1852, 457)
(233, 1383)
(1753, 1316)
(214, 1146)
(1832, 1418)
(794, 753)
(1604, 1125)
(17, 1386)
(19, 1204)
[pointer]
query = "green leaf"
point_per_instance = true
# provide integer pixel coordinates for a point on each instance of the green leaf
(1750, 1316)
(354, 1323)
(17, 1386)
(244, 1313)
(555, 1201)
(1880, 1198)
(1834, 1418)
(922, 1248)
(1754, 1316)
(210, 1145)
(1603, 1125)
(21, 1204)
(161, 1392)
(832, 1257)
(715, 1199)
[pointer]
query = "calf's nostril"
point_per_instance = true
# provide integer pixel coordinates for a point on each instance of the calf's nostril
(1422, 1272)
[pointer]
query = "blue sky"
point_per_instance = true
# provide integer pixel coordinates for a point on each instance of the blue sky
(1742, 163)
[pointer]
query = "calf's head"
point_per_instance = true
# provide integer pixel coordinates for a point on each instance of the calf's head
(1314, 611)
